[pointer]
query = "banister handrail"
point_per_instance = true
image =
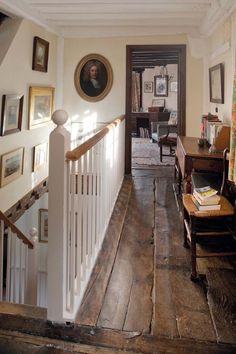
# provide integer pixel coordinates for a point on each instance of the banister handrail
(87, 145)
(15, 229)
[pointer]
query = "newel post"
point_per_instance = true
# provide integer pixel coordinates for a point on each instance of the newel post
(32, 272)
(59, 144)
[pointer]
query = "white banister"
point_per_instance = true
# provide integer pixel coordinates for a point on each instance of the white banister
(57, 206)
(83, 187)
(32, 270)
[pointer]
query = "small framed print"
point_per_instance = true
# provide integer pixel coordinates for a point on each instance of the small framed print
(41, 101)
(11, 166)
(43, 225)
(148, 87)
(40, 55)
(11, 118)
(173, 86)
(40, 156)
(161, 85)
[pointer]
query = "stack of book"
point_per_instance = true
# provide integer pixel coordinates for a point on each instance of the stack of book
(206, 198)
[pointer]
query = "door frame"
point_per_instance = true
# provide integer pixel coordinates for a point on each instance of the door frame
(180, 50)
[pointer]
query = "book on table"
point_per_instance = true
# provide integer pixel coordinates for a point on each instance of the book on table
(215, 199)
(205, 192)
(205, 207)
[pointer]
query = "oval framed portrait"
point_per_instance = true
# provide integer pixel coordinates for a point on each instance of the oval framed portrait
(93, 77)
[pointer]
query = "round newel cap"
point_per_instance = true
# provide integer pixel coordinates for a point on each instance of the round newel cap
(59, 117)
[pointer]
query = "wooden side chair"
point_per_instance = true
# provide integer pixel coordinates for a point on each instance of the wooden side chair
(206, 225)
(170, 140)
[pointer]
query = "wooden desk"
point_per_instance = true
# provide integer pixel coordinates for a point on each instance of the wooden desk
(191, 157)
(144, 119)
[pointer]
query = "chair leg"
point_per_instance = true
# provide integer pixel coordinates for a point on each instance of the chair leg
(194, 276)
(161, 151)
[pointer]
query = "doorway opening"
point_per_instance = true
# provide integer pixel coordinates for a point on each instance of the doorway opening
(155, 93)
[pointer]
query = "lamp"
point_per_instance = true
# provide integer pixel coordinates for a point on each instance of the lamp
(164, 72)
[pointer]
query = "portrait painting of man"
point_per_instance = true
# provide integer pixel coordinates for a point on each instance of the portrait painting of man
(93, 77)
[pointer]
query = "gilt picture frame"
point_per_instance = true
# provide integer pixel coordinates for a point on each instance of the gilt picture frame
(40, 55)
(43, 225)
(40, 156)
(216, 82)
(93, 77)
(11, 115)
(41, 104)
(161, 86)
(11, 166)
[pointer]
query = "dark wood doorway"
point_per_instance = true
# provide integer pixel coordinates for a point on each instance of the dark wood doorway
(164, 51)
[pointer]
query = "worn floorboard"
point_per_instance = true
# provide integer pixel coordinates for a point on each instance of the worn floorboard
(222, 301)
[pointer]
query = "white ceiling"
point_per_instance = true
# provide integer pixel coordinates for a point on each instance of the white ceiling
(106, 18)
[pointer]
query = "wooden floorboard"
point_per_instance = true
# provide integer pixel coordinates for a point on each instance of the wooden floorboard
(128, 300)
(95, 292)
(222, 301)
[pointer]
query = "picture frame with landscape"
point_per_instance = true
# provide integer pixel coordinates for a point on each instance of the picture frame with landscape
(11, 166)
(41, 103)
(216, 82)
(11, 115)
(40, 55)
(40, 156)
(43, 225)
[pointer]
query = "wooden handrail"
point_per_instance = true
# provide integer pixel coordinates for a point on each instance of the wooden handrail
(15, 229)
(87, 145)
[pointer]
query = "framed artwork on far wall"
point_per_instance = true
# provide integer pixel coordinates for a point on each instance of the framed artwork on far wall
(11, 117)
(43, 225)
(40, 55)
(11, 166)
(216, 81)
(40, 156)
(41, 102)
(148, 87)
(161, 86)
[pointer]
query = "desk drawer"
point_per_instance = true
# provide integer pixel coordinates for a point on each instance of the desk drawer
(207, 165)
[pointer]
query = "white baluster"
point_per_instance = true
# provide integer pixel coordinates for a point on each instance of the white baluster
(1, 257)
(32, 269)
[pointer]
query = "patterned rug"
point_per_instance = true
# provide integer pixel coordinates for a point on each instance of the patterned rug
(144, 152)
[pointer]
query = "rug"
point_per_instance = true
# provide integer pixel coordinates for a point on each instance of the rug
(144, 152)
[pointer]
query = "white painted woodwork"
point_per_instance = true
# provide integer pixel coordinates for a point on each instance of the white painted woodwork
(123, 17)
(32, 270)
(80, 205)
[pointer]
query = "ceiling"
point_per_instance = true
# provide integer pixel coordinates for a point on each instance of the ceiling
(107, 18)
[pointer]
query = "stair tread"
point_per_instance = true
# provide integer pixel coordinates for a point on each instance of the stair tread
(23, 310)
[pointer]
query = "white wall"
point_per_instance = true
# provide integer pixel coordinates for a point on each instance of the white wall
(171, 99)
(16, 77)
(114, 49)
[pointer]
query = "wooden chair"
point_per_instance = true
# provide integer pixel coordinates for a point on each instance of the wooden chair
(208, 225)
(170, 140)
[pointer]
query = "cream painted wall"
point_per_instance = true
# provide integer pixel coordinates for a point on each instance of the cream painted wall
(16, 77)
(114, 49)
(221, 49)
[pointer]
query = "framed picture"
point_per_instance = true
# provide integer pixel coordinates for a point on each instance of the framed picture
(40, 156)
(93, 77)
(161, 85)
(158, 102)
(216, 81)
(11, 117)
(173, 86)
(40, 54)
(41, 101)
(11, 166)
(43, 225)
(148, 87)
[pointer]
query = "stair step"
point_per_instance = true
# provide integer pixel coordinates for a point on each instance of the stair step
(23, 310)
